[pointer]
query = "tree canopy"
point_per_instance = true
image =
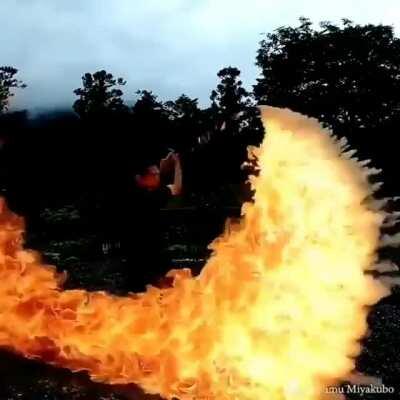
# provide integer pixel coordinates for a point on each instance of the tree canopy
(100, 94)
(186, 122)
(235, 108)
(7, 83)
(346, 75)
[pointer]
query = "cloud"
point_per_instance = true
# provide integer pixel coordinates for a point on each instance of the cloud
(169, 47)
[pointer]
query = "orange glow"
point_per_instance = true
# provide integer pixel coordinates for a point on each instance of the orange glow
(275, 314)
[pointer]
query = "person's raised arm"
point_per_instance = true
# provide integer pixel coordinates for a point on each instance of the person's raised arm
(176, 186)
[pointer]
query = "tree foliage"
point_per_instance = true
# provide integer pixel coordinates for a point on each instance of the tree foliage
(7, 83)
(100, 94)
(232, 123)
(150, 125)
(234, 107)
(186, 122)
(346, 75)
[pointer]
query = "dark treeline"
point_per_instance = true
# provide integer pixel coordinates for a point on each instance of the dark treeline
(347, 76)
(72, 157)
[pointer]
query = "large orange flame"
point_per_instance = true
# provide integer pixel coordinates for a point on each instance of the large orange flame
(275, 314)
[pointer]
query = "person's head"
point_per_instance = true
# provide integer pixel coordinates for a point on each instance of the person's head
(148, 177)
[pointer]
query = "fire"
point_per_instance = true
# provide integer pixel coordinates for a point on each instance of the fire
(275, 314)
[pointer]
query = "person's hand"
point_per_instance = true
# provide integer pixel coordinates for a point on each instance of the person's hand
(176, 157)
(170, 163)
(167, 164)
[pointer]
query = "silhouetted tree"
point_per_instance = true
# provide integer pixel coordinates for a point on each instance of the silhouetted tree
(347, 76)
(7, 83)
(236, 124)
(187, 122)
(100, 94)
(151, 125)
(147, 104)
(230, 100)
(235, 108)
(101, 149)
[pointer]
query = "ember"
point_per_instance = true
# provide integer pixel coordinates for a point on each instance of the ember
(276, 313)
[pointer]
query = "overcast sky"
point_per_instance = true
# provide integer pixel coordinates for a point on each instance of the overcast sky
(167, 46)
